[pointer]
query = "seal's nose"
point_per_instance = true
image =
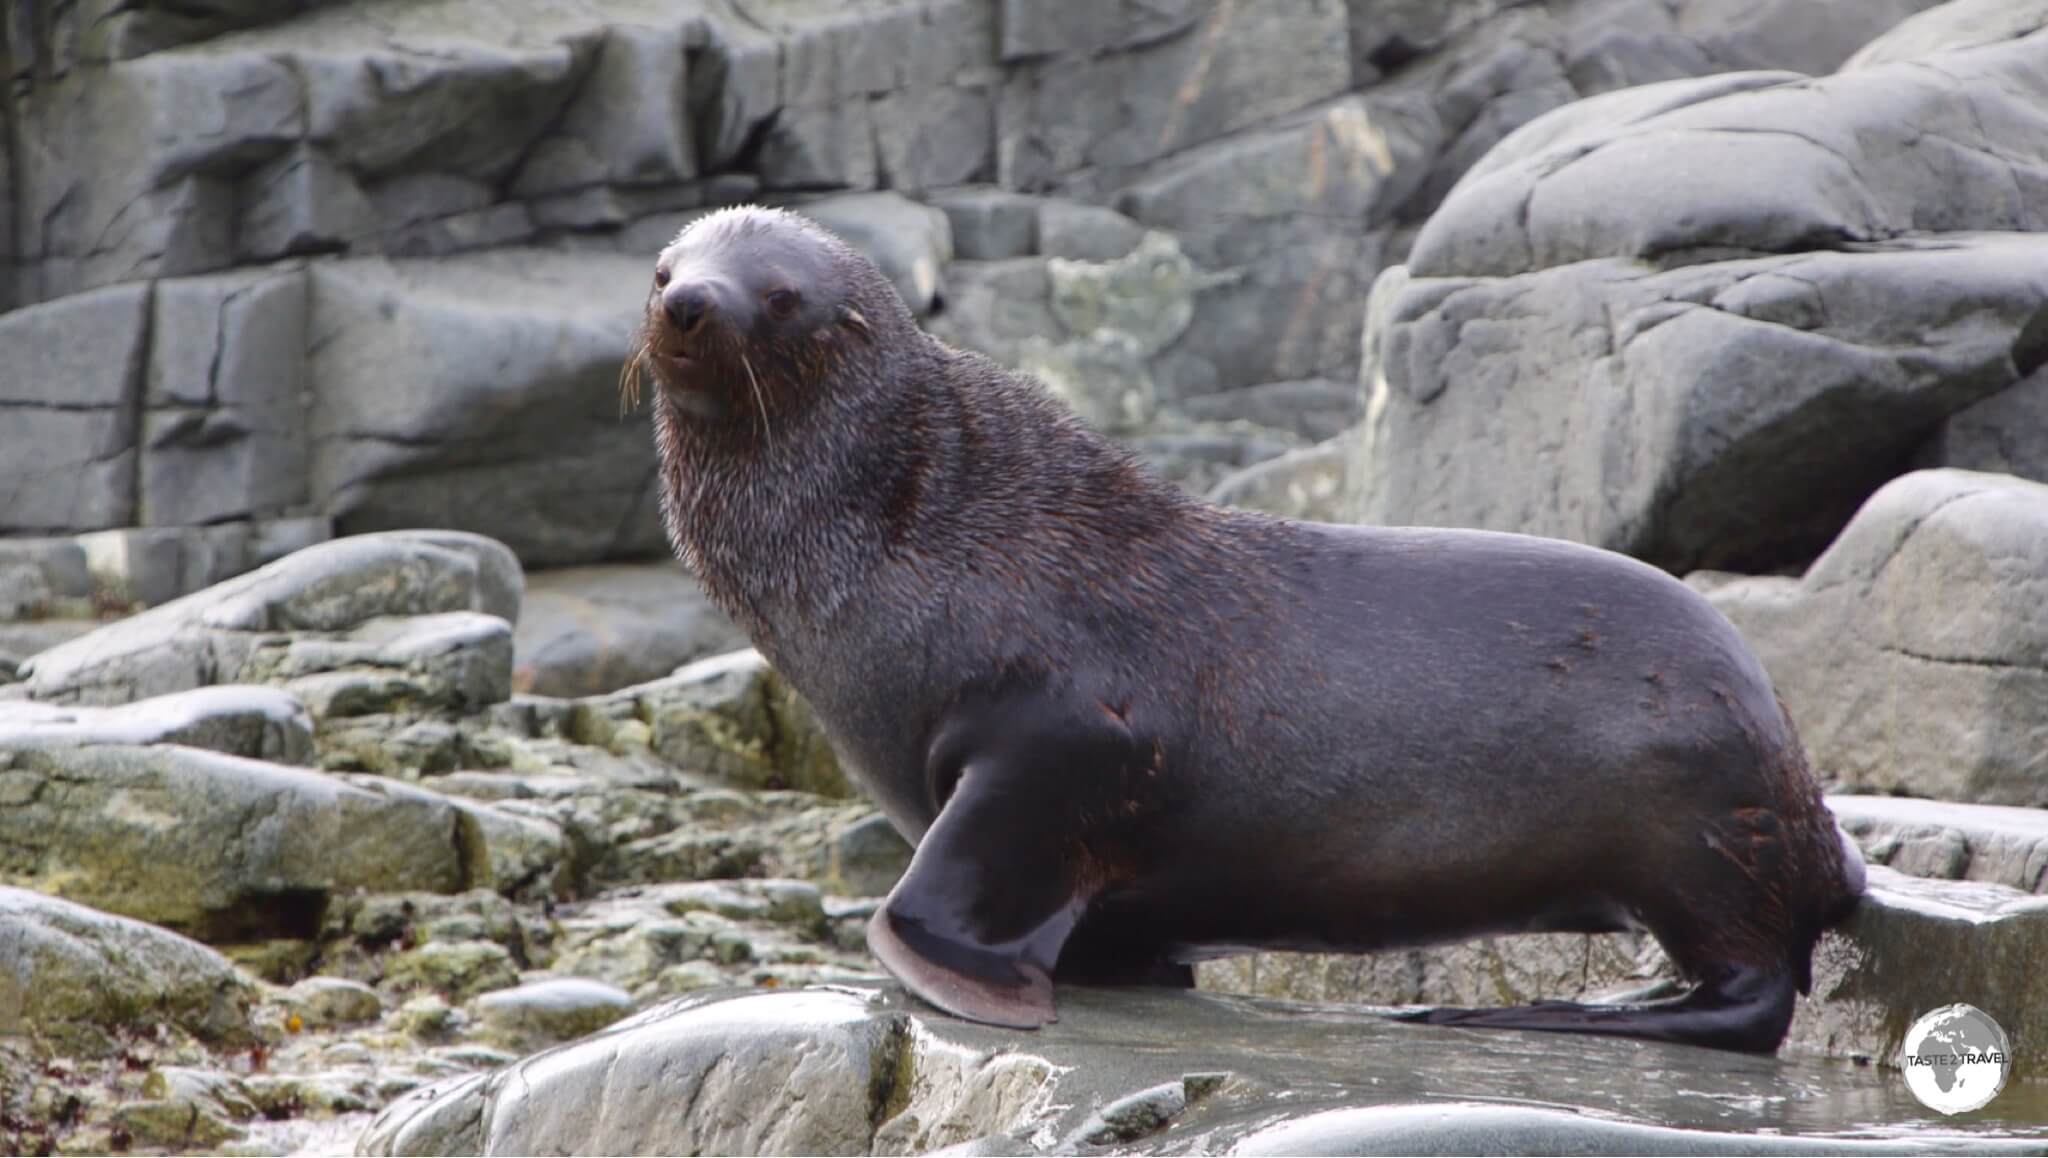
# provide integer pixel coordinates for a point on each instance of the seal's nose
(687, 304)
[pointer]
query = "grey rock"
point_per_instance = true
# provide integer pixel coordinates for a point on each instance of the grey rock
(152, 565)
(590, 630)
(2006, 433)
(222, 847)
(1488, 971)
(263, 723)
(1039, 29)
(517, 853)
(1865, 156)
(40, 578)
(727, 717)
(1956, 24)
(1301, 484)
(19, 641)
(815, 1080)
(223, 430)
(854, 1069)
(1315, 409)
(328, 1001)
(75, 976)
(458, 660)
(911, 243)
(629, 121)
(991, 224)
(456, 969)
(1201, 462)
(866, 857)
(1725, 414)
(1915, 945)
(72, 374)
(784, 902)
(1114, 318)
(182, 1106)
(541, 1013)
(1181, 75)
(1913, 653)
(1912, 945)
(520, 437)
(209, 636)
(996, 307)
(1084, 232)
(1288, 209)
(1930, 838)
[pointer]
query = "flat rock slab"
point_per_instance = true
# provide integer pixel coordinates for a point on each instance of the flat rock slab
(260, 722)
(1933, 838)
(209, 636)
(217, 846)
(862, 1069)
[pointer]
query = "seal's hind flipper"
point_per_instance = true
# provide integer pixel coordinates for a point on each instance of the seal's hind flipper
(1745, 1009)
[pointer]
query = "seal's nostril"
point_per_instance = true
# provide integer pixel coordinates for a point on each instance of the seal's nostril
(687, 306)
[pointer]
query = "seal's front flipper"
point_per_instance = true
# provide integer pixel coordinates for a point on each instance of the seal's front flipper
(1000, 880)
(1034, 785)
(976, 925)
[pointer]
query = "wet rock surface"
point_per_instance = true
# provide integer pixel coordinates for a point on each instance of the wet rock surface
(854, 1070)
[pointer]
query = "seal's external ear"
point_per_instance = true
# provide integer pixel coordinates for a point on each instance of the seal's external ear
(854, 320)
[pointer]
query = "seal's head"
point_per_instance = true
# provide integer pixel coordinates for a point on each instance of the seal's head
(752, 312)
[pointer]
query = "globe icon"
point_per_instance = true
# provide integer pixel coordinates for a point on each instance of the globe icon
(1956, 1059)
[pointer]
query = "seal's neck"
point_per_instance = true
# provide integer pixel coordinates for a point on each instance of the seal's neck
(944, 462)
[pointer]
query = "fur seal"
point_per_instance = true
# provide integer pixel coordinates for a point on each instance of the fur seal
(1127, 729)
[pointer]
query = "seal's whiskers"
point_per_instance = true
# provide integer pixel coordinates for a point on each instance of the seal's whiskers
(629, 378)
(767, 435)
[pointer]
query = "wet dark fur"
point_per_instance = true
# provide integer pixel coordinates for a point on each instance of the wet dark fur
(1189, 730)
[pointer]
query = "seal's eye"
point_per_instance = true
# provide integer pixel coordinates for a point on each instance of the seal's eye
(782, 302)
(661, 279)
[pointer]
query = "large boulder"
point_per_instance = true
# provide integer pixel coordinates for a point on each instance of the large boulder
(1913, 654)
(78, 978)
(857, 1070)
(1733, 410)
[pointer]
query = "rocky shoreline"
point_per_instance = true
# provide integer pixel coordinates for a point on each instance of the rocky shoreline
(319, 831)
